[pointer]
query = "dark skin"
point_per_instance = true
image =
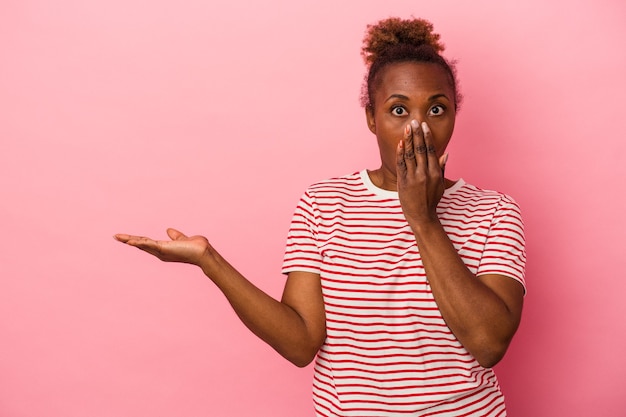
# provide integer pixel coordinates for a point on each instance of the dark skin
(413, 119)
(295, 326)
(409, 91)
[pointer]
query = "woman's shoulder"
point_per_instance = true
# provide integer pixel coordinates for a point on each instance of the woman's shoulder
(468, 193)
(353, 181)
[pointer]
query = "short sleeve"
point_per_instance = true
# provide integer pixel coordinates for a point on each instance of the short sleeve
(302, 248)
(505, 247)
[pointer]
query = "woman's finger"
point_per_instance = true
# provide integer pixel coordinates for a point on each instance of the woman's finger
(175, 234)
(140, 242)
(419, 145)
(409, 151)
(400, 162)
(443, 161)
(121, 237)
(132, 240)
(434, 167)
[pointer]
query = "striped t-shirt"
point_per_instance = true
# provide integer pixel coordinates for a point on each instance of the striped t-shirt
(388, 351)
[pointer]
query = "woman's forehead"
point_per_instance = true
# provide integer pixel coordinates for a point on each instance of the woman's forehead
(414, 77)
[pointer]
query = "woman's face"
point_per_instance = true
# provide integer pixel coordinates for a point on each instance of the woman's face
(407, 91)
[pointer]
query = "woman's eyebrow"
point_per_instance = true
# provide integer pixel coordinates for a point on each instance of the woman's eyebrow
(403, 97)
(400, 96)
(436, 96)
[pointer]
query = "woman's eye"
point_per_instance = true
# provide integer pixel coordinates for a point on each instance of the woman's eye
(398, 111)
(437, 110)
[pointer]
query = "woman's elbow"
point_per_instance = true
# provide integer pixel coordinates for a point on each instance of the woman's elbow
(302, 357)
(489, 360)
(491, 354)
(304, 353)
(301, 362)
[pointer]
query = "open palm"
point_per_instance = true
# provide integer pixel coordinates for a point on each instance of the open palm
(180, 248)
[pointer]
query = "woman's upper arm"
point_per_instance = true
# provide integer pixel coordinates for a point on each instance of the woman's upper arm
(303, 293)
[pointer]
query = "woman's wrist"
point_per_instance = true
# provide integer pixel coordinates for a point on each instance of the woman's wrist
(209, 261)
(425, 225)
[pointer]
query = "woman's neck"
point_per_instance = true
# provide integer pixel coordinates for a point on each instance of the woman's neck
(386, 180)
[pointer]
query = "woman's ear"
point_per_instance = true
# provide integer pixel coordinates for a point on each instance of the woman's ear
(369, 116)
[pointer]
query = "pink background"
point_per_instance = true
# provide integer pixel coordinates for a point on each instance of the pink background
(135, 115)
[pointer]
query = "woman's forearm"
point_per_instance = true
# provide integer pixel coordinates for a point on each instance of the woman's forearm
(483, 319)
(281, 325)
(295, 326)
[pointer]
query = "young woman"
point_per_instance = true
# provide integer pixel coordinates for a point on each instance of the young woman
(406, 286)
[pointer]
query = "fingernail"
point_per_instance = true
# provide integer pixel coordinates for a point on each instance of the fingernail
(445, 159)
(415, 124)
(407, 130)
(425, 127)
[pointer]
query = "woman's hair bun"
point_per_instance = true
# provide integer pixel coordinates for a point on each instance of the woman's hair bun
(396, 32)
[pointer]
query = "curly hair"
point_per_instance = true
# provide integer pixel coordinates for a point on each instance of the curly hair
(395, 40)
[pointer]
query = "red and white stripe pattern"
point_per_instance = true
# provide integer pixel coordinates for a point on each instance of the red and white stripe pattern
(388, 351)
